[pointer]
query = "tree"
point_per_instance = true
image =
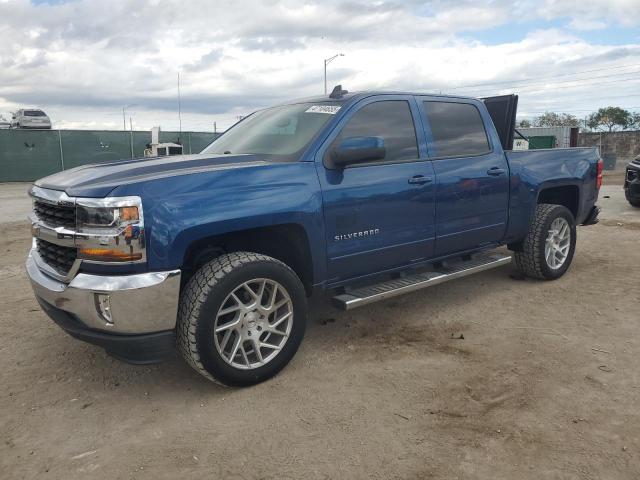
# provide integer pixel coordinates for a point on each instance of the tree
(611, 118)
(552, 119)
(524, 123)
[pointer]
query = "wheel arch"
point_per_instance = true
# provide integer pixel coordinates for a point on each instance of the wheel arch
(287, 242)
(567, 195)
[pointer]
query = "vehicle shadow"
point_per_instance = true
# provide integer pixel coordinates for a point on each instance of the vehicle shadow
(425, 318)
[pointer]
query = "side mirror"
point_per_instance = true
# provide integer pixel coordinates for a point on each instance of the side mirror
(358, 150)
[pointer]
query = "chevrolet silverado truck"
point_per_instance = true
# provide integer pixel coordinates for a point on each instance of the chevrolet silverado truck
(361, 195)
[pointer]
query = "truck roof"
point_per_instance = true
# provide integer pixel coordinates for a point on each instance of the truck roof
(355, 96)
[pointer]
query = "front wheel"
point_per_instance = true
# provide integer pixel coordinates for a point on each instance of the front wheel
(242, 317)
(548, 248)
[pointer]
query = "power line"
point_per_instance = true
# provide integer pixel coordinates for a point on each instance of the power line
(570, 110)
(547, 90)
(593, 99)
(577, 80)
(541, 78)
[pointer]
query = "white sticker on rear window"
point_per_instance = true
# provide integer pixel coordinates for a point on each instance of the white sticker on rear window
(330, 109)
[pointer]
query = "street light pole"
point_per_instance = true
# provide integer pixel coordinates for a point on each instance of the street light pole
(327, 61)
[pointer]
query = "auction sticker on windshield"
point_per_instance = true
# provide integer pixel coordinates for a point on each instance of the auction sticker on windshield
(330, 109)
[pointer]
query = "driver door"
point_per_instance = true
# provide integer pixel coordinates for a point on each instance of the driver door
(381, 214)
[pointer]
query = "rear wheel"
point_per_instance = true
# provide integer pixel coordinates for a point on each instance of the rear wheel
(548, 248)
(242, 317)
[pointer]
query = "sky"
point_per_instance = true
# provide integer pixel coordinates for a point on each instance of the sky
(83, 61)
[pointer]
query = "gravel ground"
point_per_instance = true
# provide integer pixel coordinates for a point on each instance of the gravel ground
(545, 384)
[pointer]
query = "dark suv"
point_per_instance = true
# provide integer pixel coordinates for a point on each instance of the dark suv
(632, 182)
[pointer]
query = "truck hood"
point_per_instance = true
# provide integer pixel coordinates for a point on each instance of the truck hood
(97, 180)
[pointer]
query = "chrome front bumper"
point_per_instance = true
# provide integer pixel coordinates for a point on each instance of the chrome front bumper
(141, 303)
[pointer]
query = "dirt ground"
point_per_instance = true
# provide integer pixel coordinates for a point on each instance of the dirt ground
(545, 384)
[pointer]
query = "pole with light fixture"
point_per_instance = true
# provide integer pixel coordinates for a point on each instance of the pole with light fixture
(327, 61)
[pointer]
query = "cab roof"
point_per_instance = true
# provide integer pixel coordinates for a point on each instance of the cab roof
(355, 96)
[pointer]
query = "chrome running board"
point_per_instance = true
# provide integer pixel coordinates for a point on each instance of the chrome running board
(358, 297)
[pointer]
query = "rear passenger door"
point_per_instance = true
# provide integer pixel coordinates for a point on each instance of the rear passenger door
(472, 175)
(378, 215)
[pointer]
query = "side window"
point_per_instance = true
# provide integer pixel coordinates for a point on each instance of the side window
(389, 119)
(457, 129)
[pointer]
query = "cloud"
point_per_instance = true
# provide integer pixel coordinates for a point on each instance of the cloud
(587, 24)
(88, 58)
(205, 62)
(270, 44)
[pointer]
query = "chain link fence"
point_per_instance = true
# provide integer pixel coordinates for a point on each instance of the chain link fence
(616, 148)
(26, 155)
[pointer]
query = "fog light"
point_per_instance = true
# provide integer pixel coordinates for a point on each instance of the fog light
(103, 306)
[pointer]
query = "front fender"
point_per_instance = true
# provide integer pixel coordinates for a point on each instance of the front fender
(188, 208)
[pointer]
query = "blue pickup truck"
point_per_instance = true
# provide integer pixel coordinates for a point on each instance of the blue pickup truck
(361, 195)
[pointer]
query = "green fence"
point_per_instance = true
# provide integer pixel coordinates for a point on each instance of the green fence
(27, 155)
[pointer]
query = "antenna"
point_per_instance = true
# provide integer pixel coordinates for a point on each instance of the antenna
(337, 92)
(179, 110)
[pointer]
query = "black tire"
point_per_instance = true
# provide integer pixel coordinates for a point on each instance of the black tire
(634, 203)
(202, 298)
(530, 258)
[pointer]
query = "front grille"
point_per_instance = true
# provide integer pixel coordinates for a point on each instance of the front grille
(631, 175)
(56, 256)
(55, 215)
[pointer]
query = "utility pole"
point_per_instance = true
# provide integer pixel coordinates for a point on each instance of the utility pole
(124, 117)
(131, 135)
(327, 61)
(179, 110)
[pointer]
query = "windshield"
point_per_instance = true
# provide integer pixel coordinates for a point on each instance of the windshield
(283, 130)
(34, 113)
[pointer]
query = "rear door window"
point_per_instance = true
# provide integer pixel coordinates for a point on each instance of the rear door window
(457, 130)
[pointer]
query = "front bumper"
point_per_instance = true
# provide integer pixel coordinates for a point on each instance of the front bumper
(141, 305)
(138, 349)
(632, 182)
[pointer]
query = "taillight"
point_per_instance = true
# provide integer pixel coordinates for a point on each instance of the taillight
(599, 175)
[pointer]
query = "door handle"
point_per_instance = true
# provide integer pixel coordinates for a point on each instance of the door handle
(495, 171)
(420, 180)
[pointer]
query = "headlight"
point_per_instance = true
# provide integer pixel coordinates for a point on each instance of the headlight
(101, 218)
(110, 230)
